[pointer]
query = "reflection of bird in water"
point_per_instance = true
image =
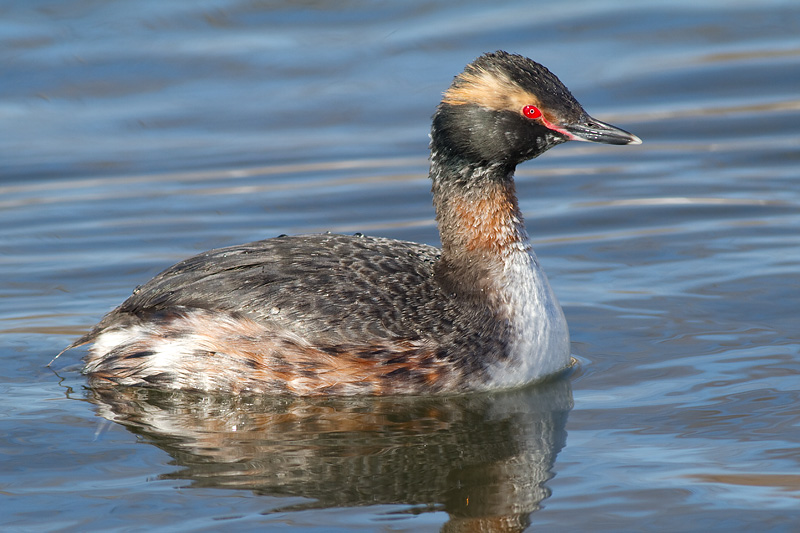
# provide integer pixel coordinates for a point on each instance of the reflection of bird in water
(483, 459)
(334, 314)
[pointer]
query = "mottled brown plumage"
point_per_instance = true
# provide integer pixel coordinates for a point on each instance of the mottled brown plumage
(335, 314)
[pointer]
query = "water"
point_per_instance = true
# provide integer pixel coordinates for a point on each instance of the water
(136, 134)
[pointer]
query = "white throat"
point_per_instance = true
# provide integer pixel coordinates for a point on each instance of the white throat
(539, 345)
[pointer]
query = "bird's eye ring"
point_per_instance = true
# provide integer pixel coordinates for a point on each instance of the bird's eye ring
(531, 111)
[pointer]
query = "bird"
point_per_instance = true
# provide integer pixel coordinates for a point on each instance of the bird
(344, 315)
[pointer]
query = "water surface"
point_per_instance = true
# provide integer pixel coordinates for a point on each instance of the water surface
(136, 134)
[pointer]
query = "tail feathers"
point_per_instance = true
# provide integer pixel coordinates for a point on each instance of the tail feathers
(85, 339)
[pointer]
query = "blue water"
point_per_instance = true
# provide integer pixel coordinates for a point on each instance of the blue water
(134, 134)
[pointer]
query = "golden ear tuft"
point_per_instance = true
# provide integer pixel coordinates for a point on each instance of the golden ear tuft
(488, 89)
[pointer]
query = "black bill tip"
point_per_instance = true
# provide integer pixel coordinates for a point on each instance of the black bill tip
(591, 130)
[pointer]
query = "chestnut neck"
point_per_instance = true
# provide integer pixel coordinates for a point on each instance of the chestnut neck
(479, 221)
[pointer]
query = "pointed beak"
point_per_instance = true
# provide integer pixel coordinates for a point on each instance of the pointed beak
(593, 131)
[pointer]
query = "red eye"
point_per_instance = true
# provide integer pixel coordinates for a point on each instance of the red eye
(531, 111)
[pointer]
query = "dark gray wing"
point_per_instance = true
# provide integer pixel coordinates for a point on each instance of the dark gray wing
(335, 287)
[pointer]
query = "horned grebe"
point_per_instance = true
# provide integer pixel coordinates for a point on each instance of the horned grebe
(346, 315)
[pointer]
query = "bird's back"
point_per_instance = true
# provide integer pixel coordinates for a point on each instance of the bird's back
(345, 296)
